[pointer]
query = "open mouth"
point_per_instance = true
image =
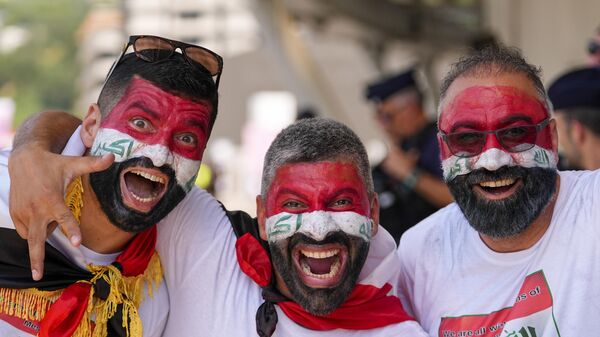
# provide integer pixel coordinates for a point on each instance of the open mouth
(498, 189)
(320, 266)
(142, 187)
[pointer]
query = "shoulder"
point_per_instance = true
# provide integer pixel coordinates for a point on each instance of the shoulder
(434, 234)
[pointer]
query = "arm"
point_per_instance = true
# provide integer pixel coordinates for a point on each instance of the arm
(401, 165)
(37, 191)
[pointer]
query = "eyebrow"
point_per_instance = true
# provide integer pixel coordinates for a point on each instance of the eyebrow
(516, 118)
(469, 125)
(291, 191)
(141, 105)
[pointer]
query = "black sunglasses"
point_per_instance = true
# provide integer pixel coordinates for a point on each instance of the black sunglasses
(513, 139)
(155, 48)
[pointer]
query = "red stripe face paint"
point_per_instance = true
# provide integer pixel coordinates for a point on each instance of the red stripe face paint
(326, 186)
(153, 116)
(489, 108)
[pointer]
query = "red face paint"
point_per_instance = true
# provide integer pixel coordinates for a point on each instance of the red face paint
(326, 186)
(487, 108)
(154, 116)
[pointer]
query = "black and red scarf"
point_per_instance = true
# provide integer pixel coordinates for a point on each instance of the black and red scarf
(65, 314)
(367, 306)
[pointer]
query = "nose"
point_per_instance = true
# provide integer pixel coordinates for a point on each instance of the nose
(493, 159)
(162, 155)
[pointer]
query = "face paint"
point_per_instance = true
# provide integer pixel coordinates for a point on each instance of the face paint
(125, 147)
(486, 108)
(326, 186)
(495, 158)
(319, 228)
(316, 225)
(158, 139)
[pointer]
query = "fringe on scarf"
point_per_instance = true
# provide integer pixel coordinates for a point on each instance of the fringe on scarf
(32, 304)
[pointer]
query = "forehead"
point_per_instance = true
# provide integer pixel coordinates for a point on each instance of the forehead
(332, 174)
(491, 96)
(141, 90)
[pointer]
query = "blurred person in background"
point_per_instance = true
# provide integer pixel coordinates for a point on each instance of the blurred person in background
(576, 100)
(409, 180)
(594, 49)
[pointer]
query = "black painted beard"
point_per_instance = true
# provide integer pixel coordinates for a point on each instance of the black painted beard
(107, 187)
(510, 216)
(319, 301)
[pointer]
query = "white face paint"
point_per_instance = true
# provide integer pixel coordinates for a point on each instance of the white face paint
(493, 159)
(318, 224)
(124, 147)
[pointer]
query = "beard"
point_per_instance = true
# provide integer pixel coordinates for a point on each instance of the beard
(510, 216)
(319, 301)
(107, 187)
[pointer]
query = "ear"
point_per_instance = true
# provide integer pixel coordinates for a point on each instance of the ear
(577, 132)
(90, 125)
(261, 217)
(375, 214)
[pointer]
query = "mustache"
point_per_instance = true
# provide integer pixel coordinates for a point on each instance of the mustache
(332, 237)
(147, 163)
(505, 172)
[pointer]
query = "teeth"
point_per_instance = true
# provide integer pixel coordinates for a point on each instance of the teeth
(498, 183)
(150, 176)
(335, 267)
(141, 199)
(320, 255)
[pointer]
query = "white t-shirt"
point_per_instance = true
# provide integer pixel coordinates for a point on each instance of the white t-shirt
(456, 286)
(211, 296)
(153, 311)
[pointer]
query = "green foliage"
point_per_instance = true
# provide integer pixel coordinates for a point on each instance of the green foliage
(41, 73)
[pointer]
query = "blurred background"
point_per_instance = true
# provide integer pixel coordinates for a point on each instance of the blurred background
(283, 58)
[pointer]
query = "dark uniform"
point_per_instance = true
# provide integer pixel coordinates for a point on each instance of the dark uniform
(400, 206)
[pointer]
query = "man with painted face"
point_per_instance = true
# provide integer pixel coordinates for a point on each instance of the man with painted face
(515, 255)
(154, 115)
(313, 263)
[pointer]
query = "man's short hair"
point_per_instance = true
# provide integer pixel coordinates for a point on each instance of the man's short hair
(494, 60)
(175, 75)
(313, 140)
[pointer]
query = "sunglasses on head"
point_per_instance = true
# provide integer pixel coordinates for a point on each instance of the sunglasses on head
(513, 139)
(593, 47)
(155, 48)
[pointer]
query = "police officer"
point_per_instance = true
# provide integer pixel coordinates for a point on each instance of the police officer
(576, 100)
(409, 180)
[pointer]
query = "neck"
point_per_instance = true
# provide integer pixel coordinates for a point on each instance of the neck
(530, 236)
(97, 232)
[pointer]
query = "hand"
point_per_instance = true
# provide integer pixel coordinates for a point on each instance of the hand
(400, 164)
(39, 180)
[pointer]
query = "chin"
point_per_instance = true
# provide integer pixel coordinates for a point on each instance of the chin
(319, 275)
(135, 195)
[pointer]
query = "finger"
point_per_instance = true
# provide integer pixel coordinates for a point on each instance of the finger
(51, 227)
(83, 165)
(36, 241)
(69, 225)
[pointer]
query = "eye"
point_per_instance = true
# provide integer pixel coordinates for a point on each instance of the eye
(187, 139)
(141, 124)
(467, 138)
(293, 204)
(341, 202)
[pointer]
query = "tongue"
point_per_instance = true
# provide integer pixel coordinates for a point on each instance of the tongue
(320, 266)
(139, 185)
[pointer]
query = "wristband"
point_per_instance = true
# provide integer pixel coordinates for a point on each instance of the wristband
(411, 180)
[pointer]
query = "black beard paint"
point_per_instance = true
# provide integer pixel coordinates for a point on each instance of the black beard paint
(510, 216)
(319, 301)
(107, 187)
